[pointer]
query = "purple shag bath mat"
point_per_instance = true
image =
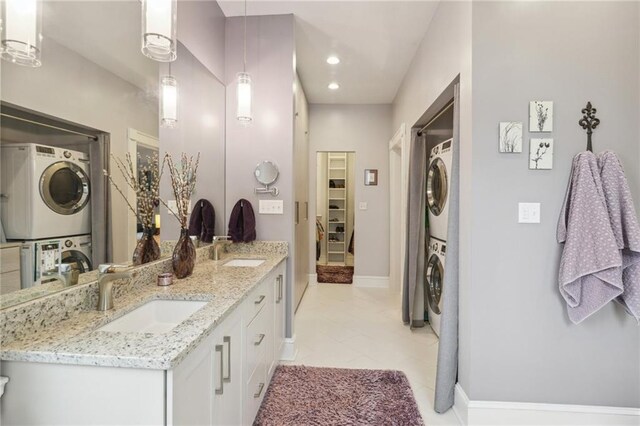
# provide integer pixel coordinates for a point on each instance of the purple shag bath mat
(299, 396)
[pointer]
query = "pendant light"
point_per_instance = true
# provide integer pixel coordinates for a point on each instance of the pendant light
(159, 29)
(168, 101)
(244, 86)
(21, 38)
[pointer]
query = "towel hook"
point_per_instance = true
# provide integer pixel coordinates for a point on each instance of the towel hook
(589, 122)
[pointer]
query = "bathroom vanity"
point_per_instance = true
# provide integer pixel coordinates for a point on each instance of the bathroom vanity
(201, 351)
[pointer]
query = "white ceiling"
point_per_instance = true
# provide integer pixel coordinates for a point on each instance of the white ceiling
(375, 41)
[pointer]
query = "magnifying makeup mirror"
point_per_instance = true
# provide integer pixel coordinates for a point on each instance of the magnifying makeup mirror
(267, 173)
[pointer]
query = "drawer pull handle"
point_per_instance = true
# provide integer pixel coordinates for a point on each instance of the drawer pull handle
(260, 389)
(260, 299)
(281, 278)
(227, 340)
(260, 339)
(220, 389)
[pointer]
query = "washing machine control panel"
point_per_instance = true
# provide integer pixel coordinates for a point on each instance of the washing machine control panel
(68, 243)
(438, 247)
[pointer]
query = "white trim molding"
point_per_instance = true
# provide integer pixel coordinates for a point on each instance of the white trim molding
(471, 412)
(313, 279)
(289, 350)
(370, 281)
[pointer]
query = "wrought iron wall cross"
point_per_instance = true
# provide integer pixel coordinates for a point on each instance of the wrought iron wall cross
(589, 122)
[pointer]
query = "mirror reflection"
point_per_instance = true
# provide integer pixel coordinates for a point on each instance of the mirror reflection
(93, 100)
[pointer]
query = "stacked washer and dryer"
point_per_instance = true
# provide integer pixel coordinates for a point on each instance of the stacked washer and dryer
(45, 204)
(438, 176)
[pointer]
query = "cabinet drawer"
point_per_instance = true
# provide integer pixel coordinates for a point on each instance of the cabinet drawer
(256, 341)
(256, 301)
(256, 388)
(9, 282)
(9, 259)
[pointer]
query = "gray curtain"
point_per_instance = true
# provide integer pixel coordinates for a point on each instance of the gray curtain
(414, 260)
(447, 372)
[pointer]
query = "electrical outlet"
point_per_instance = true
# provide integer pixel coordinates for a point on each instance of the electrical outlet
(271, 207)
(363, 205)
(173, 207)
(528, 212)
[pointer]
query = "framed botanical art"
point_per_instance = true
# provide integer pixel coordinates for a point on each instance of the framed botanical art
(541, 154)
(510, 137)
(541, 116)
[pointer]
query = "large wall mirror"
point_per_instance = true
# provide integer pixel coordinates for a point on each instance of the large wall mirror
(94, 98)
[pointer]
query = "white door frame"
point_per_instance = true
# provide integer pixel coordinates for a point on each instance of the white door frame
(136, 138)
(399, 176)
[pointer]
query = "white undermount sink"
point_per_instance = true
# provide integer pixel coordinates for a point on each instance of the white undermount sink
(158, 316)
(251, 263)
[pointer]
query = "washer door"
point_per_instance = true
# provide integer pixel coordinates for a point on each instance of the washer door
(437, 186)
(82, 262)
(433, 276)
(64, 187)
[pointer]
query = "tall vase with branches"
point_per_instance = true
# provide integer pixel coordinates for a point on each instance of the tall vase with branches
(183, 183)
(145, 182)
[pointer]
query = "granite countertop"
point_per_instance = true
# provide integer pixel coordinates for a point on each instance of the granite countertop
(77, 341)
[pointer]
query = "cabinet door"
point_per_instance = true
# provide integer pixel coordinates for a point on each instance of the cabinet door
(227, 404)
(190, 387)
(280, 312)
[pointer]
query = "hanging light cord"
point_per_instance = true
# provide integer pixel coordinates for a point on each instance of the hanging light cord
(244, 66)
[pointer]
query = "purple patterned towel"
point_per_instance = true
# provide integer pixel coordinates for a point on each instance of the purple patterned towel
(624, 223)
(590, 275)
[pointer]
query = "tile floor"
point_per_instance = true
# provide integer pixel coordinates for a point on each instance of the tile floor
(339, 325)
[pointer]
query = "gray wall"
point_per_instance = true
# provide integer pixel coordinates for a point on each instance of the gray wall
(365, 130)
(270, 61)
(70, 87)
(523, 347)
(201, 128)
(201, 29)
(444, 54)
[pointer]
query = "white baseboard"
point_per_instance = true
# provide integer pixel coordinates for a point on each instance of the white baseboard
(313, 279)
(471, 412)
(289, 351)
(370, 281)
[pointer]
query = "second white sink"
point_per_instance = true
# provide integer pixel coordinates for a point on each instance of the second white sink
(158, 316)
(251, 263)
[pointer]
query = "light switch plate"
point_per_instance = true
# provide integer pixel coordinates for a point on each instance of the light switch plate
(363, 205)
(528, 212)
(173, 206)
(271, 207)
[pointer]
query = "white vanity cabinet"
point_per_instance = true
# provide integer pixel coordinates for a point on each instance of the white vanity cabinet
(220, 382)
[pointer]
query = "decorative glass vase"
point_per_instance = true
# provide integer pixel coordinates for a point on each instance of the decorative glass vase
(184, 255)
(147, 249)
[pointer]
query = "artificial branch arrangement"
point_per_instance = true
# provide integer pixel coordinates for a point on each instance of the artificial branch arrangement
(183, 182)
(146, 185)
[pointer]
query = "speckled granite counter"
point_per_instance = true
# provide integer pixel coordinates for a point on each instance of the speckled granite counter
(75, 340)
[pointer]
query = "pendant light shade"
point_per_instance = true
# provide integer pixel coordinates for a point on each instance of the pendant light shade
(159, 29)
(168, 101)
(21, 38)
(244, 94)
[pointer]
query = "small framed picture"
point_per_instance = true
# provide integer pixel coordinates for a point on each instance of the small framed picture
(541, 154)
(541, 116)
(371, 177)
(510, 136)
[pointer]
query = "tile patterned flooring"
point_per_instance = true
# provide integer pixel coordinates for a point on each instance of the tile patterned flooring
(340, 325)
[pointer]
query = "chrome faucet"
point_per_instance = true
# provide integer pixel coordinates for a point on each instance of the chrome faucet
(218, 242)
(107, 274)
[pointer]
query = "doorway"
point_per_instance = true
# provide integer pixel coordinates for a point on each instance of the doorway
(335, 217)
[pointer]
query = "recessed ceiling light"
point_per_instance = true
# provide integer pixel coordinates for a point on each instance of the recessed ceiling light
(333, 60)
(334, 86)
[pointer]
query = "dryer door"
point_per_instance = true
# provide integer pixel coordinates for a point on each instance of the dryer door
(64, 187)
(434, 276)
(437, 186)
(78, 258)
